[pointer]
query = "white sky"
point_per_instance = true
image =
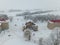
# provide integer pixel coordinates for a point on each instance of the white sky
(29, 4)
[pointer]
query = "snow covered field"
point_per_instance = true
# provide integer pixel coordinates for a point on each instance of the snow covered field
(41, 10)
(14, 35)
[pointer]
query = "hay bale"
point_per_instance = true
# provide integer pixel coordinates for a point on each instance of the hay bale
(4, 26)
(57, 24)
(51, 25)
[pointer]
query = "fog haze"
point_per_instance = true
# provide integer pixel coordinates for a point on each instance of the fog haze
(29, 4)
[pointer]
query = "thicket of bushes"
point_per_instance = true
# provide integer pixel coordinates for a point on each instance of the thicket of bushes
(41, 18)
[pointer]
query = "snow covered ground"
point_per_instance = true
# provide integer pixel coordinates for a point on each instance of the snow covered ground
(14, 36)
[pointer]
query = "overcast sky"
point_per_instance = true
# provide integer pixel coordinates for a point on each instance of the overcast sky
(29, 4)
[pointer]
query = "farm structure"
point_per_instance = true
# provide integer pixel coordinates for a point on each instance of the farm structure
(4, 23)
(53, 23)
